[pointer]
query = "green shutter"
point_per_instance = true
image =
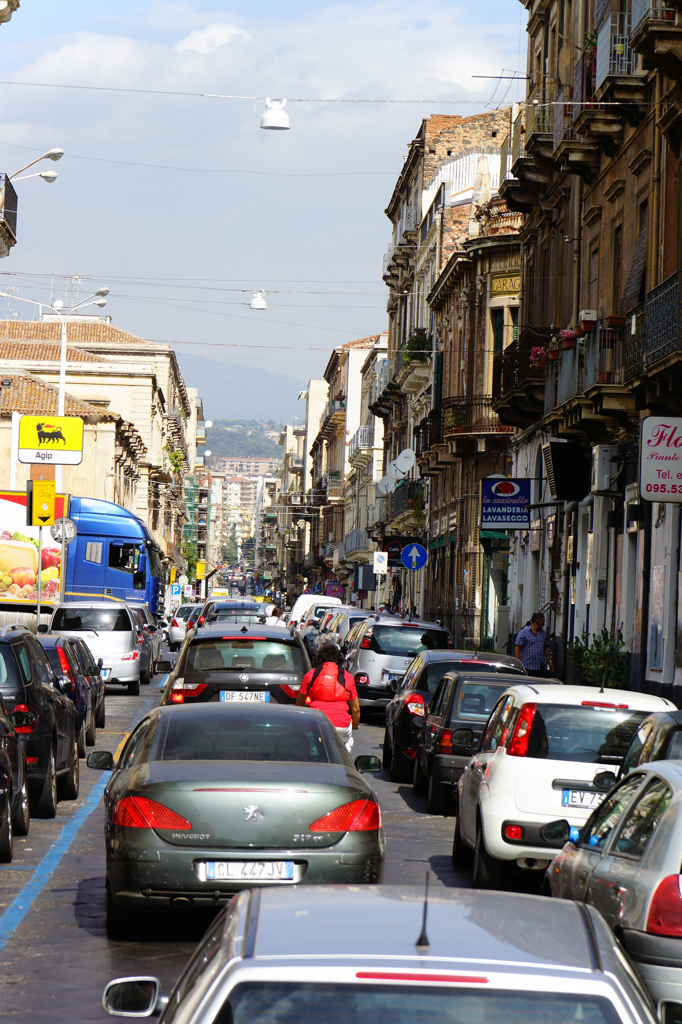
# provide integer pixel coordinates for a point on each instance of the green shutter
(438, 381)
(514, 310)
(498, 330)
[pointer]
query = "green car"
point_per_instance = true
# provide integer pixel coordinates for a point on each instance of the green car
(208, 799)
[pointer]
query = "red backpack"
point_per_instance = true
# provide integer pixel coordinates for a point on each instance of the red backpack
(328, 683)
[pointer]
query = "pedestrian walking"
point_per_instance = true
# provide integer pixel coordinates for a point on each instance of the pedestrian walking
(532, 648)
(331, 689)
(275, 619)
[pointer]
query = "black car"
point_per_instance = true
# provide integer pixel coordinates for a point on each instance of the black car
(658, 738)
(145, 646)
(14, 803)
(65, 662)
(44, 717)
(406, 711)
(450, 731)
(92, 668)
(240, 662)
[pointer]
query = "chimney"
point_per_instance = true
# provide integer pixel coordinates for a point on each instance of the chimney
(481, 194)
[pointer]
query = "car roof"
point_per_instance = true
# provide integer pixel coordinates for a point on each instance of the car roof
(658, 717)
(94, 604)
(559, 693)
(484, 656)
(671, 771)
(241, 631)
(229, 708)
(395, 620)
(511, 930)
(506, 678)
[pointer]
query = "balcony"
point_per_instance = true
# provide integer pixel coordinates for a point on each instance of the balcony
(295, 463)
(389, 265)
(429, 433)
(471, 414)
(403, 498)
(662, 337)
(8, 213)
(357, 541)
(615, 78)
(200, 433)
(411, 365)
(570, 152)
(332, 484)
(377, 512)
(518, 139)
(333, 416)
(518, 386)
(633, 343)
(657, 36)
(361, 447)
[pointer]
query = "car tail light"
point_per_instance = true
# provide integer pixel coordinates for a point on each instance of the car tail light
(366, 641)
(665, 912)
(602, 704)
(362, 678)
(174, 624)
(445, 742)
(31, 760)
(357, 816)
(130, 656)
(64, 664)
(513, 832)
(449, 643)
(25, 718)
(409, 753)
(140, 636)
(200, 620)
(518, 747)
(415, 705)
(180, 689)
(291, 691)
(139, 812)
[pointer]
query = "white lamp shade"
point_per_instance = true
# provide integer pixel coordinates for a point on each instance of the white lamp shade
(275, 116)
(48, 176)
(258, 301)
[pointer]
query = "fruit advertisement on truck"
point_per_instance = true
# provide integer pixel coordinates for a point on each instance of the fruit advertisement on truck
(19, 553)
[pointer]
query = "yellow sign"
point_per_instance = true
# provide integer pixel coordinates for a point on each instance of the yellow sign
(201, 570)
(506, 284)
(173, 574)
(42, 509)
(51, 440)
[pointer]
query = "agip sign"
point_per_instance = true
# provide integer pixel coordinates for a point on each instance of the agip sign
(660, 458)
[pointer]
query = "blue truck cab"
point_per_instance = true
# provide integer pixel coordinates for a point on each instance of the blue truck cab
(113, 556)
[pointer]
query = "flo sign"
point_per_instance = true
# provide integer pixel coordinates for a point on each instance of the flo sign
(660, 458)
(505, 504)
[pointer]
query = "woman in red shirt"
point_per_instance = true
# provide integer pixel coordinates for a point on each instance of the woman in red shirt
(332, 690)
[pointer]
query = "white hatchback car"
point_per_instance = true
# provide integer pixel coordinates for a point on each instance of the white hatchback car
(178, 625)
(547, 752)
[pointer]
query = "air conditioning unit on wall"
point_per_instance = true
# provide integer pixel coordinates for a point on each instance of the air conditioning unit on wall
(602, 468)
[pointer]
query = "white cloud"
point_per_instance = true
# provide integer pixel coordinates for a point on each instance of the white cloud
(208, 40)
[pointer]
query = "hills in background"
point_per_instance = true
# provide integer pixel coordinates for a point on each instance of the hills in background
(233, 391)
(244, 439)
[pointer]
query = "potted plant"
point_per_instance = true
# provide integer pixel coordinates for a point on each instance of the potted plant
(587, 325)
(538, 357)
(553, 350)
(567, 338)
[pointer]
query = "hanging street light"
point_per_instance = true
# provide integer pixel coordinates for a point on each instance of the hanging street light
(258, 301)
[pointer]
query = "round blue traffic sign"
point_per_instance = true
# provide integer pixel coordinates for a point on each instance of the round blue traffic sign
(414, 556)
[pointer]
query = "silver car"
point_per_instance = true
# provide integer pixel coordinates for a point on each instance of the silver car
(343, 955)
(382, 648)
(625, 862)
(111, 634)
(178, 625)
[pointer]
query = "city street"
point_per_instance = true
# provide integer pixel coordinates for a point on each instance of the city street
(54, 952)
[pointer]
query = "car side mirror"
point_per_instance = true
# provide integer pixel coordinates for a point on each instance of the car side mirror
(556, 833)
(102, 760)
(165, 666)
(462, 739)
(65, 684)
(150, 629)
(43, 628)
(92, 670)
(100, 663)
(669, 1012)
(367, 763)
(603, 781)
(133, 997)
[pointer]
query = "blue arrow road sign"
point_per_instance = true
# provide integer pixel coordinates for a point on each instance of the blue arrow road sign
(414, 556)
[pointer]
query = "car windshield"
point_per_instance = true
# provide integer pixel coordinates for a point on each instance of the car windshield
(248, 735)
(407, 641)
(564, 732)
(282, 1002)
(183, 612)
(257, 655)
(101, 620)
(476, 701)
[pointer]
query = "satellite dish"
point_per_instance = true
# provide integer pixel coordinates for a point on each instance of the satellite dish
(386, 485)
(405, 461)
(392, 472)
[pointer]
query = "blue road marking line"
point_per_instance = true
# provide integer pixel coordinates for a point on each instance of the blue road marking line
(163, 682)
(22, 903)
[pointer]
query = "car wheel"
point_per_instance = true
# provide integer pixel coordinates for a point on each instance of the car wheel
(173, 648)
(118, 921)
(144, 677)
(91, 731)
(80, 740)
(22, 819)
(386, 752)
(100, 717)
(487, 870)
(6, 833)
(400, 771)
(68, 785)
(46, 796)
(437, 798)
(462, 855)
(134, 688)
(418, 780)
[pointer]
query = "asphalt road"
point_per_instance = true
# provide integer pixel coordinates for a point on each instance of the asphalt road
(55, 957)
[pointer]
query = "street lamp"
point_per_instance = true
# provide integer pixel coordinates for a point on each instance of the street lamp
(52, 154)
(48, 176)
(258, 301)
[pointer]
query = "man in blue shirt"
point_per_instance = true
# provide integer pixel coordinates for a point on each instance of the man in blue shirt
(532, 648)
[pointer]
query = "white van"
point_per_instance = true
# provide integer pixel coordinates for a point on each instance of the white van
(307, 603)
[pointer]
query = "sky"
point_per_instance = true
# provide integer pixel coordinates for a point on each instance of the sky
(225, 206)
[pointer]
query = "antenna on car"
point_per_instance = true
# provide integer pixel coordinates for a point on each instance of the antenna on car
(243, 630)
(423, 940)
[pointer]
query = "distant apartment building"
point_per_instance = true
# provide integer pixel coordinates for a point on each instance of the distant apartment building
(244, 466)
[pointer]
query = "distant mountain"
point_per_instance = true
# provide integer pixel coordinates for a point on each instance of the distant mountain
(243, 439)
(234, 391)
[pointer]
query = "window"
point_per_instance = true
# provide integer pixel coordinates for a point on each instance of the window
(591, 735)
(126, 557)
(411, 675)
(497, 317)
(594, 278)
(617, 267)
(407, 641)
(675, 751)
(8, 670)
(442, 694)
(93, 552)
(24, 663)
(514, 310)
(132, 752)
(603, 820)
(476, 701)
(42, 668)
(633, 757)
(101, 620)
(642, 820)
(206, 657)
(251, 735)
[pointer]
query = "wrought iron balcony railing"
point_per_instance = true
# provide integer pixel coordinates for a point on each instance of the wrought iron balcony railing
(471, 414)
(363, 438)
(663, 320)
(356, 540)
(614, 54)
(633, 342)
(518, 147)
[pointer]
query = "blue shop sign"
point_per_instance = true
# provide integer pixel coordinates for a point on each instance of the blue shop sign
(505, 504)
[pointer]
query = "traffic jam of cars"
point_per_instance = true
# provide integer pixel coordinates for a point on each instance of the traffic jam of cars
(237, 797)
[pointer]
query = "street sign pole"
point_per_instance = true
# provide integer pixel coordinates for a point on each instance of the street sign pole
(40, 566)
